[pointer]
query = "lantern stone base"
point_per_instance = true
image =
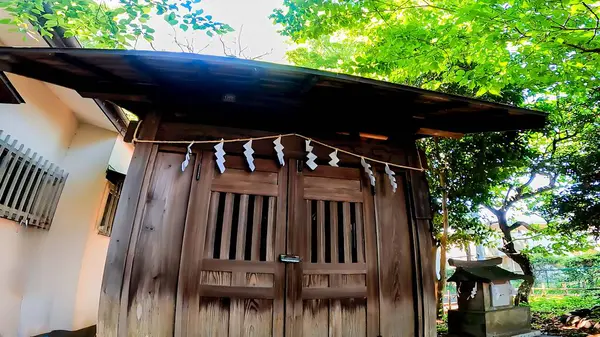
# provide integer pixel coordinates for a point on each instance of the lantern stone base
(506, 322)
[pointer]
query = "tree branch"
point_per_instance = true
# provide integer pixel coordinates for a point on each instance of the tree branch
(597, 21)
(585, 50)
(517, 225)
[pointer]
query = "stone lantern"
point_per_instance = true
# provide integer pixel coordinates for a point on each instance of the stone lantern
(485, 302)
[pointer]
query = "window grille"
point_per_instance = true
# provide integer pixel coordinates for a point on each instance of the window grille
(113, 193)
(30, 186)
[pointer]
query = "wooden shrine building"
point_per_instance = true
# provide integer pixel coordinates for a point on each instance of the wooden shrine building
(284, 250)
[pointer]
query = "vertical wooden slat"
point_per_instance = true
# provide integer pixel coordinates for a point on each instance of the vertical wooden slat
(280, 244)
(360, 242)
(17, 179)
(50, 196)
(347, 233)
(38, 181)
(372, 278)
(33, 169)
(59, 188)
(226, 229)
(242, 221)
(209, 246)
(270, 229)
(155, 268)
(187, 322)
(40, 195)
(296, 244)
(333, 223)
(6, 161)
(113, 293)
(309, 232)
(321, 231)
(256, 228)
(8, 172)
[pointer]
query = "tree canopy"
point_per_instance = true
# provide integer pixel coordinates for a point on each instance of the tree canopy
(99, 25)
(539, 54)
(532, 53)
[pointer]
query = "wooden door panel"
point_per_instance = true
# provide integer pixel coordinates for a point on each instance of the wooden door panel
(239, 286)
(155, 267)
(334, 289)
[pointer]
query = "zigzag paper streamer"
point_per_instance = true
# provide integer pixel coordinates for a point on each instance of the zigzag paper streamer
(391, 175)
(310, 156)
(368, 170)
(279, 150)
(220, 154)
(334, 159)
(248, 153)
(188, 154)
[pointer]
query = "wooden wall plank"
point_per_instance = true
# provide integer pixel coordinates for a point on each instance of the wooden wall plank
(256, 228)
(242, 227)
(270, 255)
(226, 229)
(360, 241)
(315, 313)
(353, 311)
(214, 311)
(398, 308)
(371, 256)
(296, 244)
(309, 234)
(192, 251)
(347, 228)
(123, 227)
(333, 223)
(211, 234)
(155, 271)
(321, 231)
(279, 248)
(258, 313)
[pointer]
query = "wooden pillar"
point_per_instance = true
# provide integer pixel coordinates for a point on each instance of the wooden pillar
(111, 302)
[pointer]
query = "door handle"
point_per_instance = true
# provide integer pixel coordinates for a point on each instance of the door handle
(287, 258)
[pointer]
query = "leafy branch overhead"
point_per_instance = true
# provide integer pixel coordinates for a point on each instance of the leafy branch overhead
(100, 25)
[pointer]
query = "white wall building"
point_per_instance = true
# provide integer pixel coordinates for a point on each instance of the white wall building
(50, 278)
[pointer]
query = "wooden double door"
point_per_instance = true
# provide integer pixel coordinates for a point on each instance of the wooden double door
(279, 251)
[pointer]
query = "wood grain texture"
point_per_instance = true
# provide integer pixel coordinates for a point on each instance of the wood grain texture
(242, 228)
(213, 315)
(354, 310)
(320, 231)
(226, 229)
(211, 230)
(214, 309)
(155, 268)
(315, 313)
(334, 227)
(347, 233)
(123, 227)
(396, 261)
(270, 255)
(256, 228)
(371, 256)
(279, 248)
(360, 228)
(296, 244)
(321, 188)
(258, 313)
(194, 238)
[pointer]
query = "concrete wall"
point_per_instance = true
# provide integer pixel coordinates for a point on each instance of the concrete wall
(51, 279)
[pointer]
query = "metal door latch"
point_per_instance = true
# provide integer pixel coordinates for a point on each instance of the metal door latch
(285, 258)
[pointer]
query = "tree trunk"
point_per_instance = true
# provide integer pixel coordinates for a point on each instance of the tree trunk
(521, 259)
(443, 246)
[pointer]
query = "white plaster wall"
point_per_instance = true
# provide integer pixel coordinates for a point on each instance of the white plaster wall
(43, 123)
(121, 155)
(47, 126)
(51, 290)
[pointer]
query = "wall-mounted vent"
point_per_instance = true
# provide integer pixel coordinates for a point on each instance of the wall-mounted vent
(30, 186)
